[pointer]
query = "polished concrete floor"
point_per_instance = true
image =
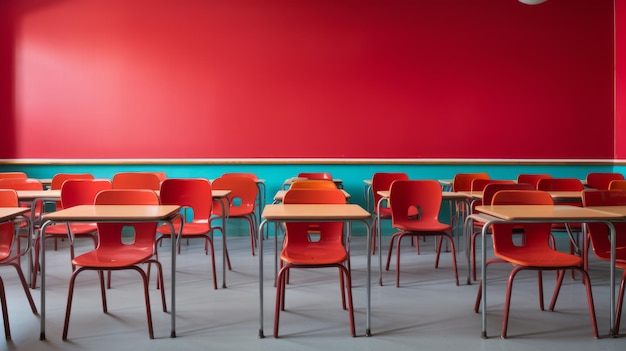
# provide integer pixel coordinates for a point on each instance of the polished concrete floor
(427, 312)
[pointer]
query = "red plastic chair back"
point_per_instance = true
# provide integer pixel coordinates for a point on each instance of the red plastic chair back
(381, 181)
(532, 178)
(242, 197)
(415, 203)
(136, 180)
(601, 180)
(598, 232)
(110, 234)
(560, 184)
(491, 189)
(537, 235)
(8, 198)
(330, 232)
(76, 192)
(463, 181)
(315, 175)
(479, 184)
(20, 184)
(59, 178)
(241, 174)
(194, 193)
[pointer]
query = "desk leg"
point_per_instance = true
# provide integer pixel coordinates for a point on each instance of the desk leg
(368, 281)
(262, 226)
(42, 266)
(175, 240)
(612, 331)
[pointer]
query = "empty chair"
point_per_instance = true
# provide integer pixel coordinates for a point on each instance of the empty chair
(415, 206)
(241, 201)
(381, 181)
(57, 182)
(313, 183)
(600, 242)
(534, 253)
(601, 180)
(74, 192)
(10, 256)
(299, 251)
(489, 191)
(194, 194)
(114, 253)
(532, 178)
(137, 180)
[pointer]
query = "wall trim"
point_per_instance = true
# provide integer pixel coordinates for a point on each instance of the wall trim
(287, 161)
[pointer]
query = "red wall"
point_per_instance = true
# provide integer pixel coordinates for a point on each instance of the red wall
(307, 78)
(620, 79)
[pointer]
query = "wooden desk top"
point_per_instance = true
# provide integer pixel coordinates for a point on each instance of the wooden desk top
(618, 210)
(314, 212)
(26, 195)
(545, 212)
(122, 213)
(8, 213)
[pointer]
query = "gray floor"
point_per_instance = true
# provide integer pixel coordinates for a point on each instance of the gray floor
(428, 311)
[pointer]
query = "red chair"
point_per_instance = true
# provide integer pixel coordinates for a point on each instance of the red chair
(57, 182)
(573, 230)
(241, 200)
(74, 192)
(488, 192)
(114, 253)
(9, 256)
(381, 181)
(599, 235)
(535, 253)
(601, 180)
(415, 206)
(527, 178)
(137, 180)
(194, 194)
(301, 252)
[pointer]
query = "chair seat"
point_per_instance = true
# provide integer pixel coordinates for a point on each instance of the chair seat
(541, 258)
(314, 255)
(107, 258)
(77, 229)
(423, 226)
(189, 229)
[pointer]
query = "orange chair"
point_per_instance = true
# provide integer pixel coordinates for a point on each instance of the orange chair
(4, 175)
(489, 191)
(301, 252)
(422, 197)
(617, 184)
(260, 184)
(381, 181)
(136, 180)
(114, 253)
(601, 180)
(535, 253)
(241, 200)
(533, 179)
(9, 256)
(600, 242)
(463, 182)
(194, 194)
(74, 192)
